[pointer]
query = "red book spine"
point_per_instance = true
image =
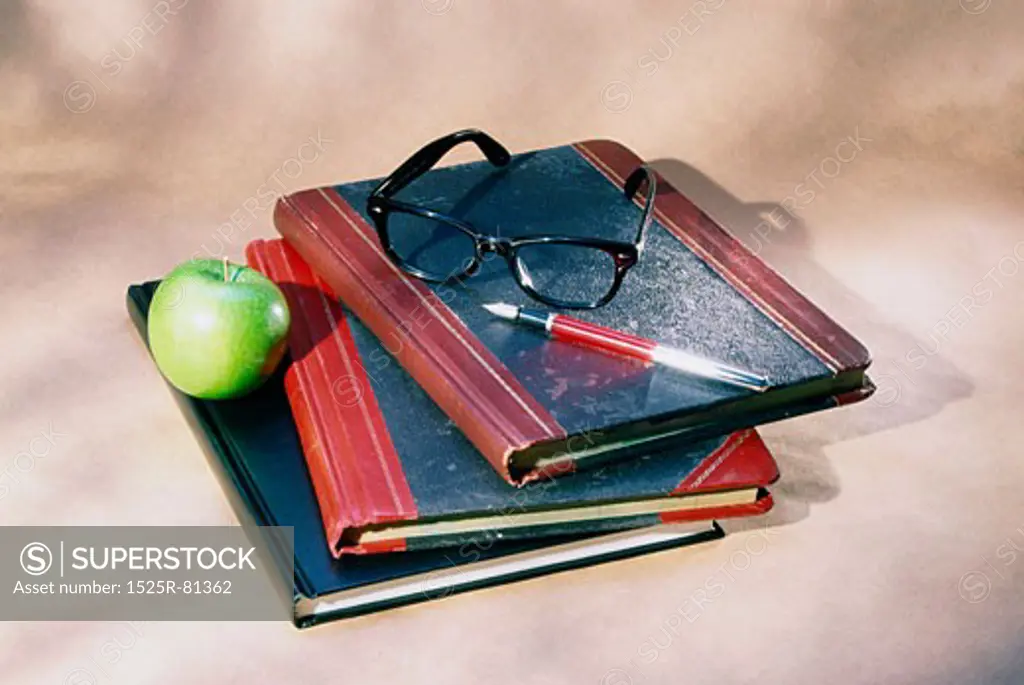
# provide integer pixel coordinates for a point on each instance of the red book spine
(415, 325)
(356, 474)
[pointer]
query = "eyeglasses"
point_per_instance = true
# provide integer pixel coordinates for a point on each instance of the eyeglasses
(560, 271)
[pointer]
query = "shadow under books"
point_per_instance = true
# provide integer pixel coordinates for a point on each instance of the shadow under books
(907, 392)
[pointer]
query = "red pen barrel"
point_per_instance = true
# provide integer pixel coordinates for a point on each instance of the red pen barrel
(588, 334)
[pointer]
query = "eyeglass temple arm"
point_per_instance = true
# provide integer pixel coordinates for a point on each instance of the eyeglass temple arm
(431, 154)
(631, 187)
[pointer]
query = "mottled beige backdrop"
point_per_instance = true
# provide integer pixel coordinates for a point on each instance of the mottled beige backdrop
(871, 151)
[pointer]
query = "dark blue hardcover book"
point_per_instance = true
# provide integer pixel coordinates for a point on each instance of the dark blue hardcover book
(392, 473)
(254, 450)
(522, 398)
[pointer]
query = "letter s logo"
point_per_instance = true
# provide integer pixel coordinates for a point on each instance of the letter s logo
(36, 558)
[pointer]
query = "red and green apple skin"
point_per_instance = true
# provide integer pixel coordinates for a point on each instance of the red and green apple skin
(217, 330)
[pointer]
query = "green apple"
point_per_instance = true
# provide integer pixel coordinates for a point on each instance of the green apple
(217, 330)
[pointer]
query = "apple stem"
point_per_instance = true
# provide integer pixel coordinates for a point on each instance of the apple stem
(226, 270)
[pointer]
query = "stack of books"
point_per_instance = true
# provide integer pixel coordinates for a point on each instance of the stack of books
(420, 446)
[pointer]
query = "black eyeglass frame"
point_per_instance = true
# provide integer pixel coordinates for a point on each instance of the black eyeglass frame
(382, 203)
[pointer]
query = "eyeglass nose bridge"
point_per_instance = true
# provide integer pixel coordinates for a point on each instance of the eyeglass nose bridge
(498, 246)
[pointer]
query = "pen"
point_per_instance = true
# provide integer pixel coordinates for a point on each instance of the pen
(611, 341)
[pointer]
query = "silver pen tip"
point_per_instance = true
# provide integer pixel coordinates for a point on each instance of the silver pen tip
(505, 311)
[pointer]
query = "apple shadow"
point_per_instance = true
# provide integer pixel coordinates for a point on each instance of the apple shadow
(906, 392)
(300, 346)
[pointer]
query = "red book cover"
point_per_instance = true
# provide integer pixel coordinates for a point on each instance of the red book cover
(384, 459)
